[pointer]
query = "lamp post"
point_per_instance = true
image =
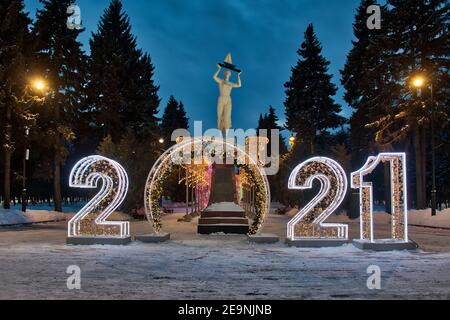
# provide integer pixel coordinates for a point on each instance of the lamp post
(24, 178)
(419, 82)
(40, 86)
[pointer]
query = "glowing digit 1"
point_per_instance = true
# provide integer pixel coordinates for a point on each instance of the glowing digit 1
(398, 194)
(91, 220)
(309, 224)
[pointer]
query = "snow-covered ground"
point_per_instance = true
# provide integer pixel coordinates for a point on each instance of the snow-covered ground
(15, 217)
(424, 218)
(34, 260)
(224, 207)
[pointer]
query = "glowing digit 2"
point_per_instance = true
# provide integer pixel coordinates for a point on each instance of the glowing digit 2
(309, 224)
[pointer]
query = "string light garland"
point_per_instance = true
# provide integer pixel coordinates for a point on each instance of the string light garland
(309, 224)
(399, 196)
(91, 220)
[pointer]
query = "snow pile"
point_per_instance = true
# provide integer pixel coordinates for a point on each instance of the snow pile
(224, 207)
(16, 217)
(424, 218)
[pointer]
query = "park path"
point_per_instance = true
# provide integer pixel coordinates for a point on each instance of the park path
(219, 269)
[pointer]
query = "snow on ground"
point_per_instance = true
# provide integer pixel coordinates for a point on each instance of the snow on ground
(34, 260)
(424, 218)
(218, 268)
(224, 207)
(73, 207)
(15, 217)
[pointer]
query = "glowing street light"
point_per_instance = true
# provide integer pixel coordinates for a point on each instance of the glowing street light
(292, 141)
(39, 84)
(418, 82)
(161, 141)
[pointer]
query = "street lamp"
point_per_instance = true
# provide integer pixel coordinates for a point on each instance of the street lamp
(420, 82)
(40, 85)
(161, 141)
(292, 141)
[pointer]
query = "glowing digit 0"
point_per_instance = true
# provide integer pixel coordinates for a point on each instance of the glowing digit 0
(309, 224)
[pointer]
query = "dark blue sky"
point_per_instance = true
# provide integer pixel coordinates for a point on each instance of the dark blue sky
(186, 39)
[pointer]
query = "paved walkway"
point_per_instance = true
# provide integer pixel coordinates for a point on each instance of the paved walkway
(34, 260)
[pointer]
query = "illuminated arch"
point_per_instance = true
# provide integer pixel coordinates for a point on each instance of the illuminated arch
(163, 166)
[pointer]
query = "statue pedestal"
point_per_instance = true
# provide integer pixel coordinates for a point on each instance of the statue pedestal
(223, 215)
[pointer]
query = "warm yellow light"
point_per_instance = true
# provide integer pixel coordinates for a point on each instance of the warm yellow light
(161, 141)
(292, 139)
(418, 82)
(39, 84)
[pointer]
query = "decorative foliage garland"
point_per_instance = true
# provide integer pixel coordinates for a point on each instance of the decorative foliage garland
(163, 169)
(155, 194)
(262, 196)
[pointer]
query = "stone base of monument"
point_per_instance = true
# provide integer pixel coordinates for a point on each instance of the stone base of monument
(223, 228)
(153, 238)
(263, 238)
(316, 243)
(385, 245)
(90, 241)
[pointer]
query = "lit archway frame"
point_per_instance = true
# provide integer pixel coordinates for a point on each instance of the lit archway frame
(163, 168)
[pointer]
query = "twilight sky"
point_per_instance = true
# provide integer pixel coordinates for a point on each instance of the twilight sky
(187, 38)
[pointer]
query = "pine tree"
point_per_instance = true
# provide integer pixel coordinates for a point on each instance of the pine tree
(14, 94)
(174, 118)
(364, 78)
(123, 99)
(368, 89)
(60, 59)
(270, 121)
(121, 90)
(310, 107)
(418, 41)
(183, 120)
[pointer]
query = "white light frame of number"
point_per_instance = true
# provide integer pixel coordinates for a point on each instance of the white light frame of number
(342, 187)
(84, 176)
(399, 208)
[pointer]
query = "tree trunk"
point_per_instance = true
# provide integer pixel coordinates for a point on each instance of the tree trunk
(7, 180)
(420, 192)
(8, 149)
(423, 155)
(57, 185)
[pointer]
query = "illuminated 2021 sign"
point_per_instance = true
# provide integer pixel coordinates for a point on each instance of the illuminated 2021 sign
(308, 225)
